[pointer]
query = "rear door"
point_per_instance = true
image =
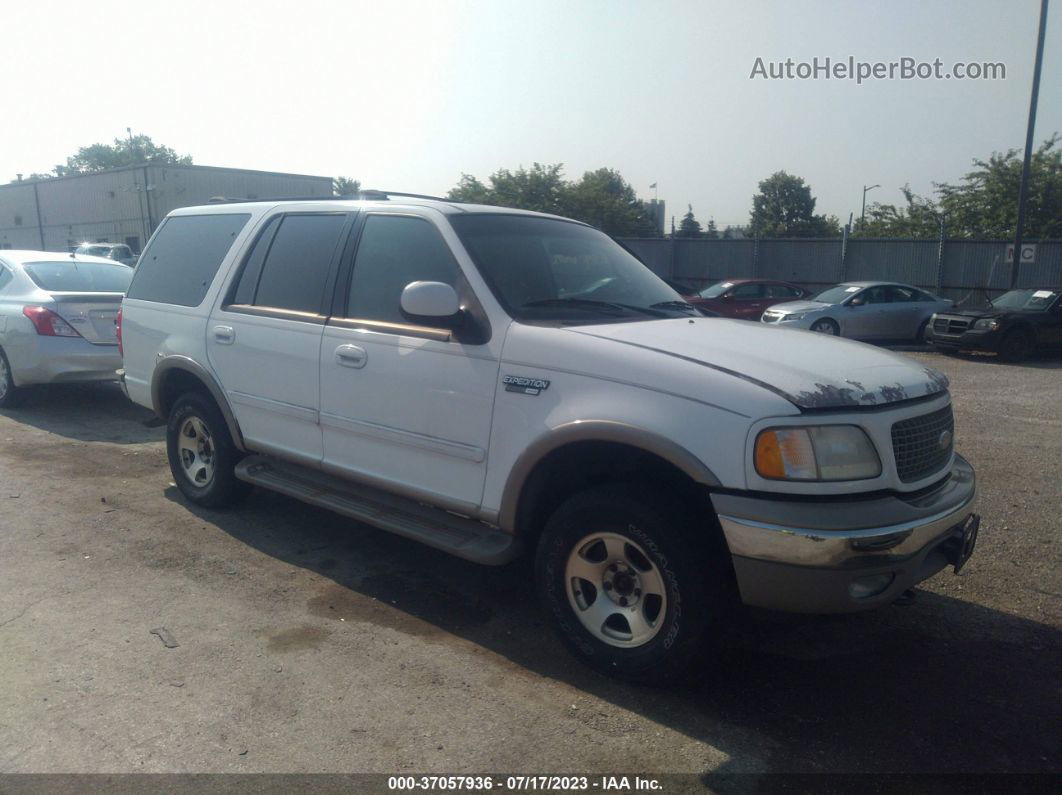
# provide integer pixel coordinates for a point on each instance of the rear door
(904, 313)
(264, 338)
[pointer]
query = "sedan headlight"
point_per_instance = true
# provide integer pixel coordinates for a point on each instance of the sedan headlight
(794, 316)
(817, 452)
(987, 324)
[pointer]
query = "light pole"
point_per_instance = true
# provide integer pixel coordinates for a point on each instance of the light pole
(863, 214)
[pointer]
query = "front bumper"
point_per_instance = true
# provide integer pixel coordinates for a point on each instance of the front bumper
(844, 556)
(967, 341)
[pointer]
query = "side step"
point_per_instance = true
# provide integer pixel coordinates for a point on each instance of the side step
(460, 536)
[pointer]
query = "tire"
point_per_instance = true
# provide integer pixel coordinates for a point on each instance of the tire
(202, 455)
(1015, 347)
(10, 395)
(920, 335)
(680, 560)
(826, 326)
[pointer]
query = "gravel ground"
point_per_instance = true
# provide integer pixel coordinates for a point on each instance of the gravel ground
(305, 642)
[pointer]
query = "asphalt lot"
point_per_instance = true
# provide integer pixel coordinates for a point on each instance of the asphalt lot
(308, 643)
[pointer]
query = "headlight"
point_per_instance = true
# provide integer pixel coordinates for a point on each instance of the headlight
(794, 316)
(986, 324)
(819, 452)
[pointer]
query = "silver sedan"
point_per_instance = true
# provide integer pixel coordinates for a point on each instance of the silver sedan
(57, 319)
(862, 310)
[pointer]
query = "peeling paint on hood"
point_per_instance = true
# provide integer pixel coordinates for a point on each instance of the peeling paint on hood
(812, 371)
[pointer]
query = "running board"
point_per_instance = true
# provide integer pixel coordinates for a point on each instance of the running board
(466, 538)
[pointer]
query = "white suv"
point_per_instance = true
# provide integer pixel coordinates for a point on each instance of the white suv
(488, 381)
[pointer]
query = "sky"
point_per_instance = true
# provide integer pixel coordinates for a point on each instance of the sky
(408, 95)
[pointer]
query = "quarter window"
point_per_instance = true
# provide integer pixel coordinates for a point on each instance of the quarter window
(296, 266)
(393, 251)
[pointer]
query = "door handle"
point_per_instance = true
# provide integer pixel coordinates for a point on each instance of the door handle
(351, 356)
(224, 335)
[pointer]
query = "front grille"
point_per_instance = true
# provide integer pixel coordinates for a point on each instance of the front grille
(950, 326)
(916, 444)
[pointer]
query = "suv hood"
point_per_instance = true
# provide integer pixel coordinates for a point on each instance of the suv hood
(812, 371)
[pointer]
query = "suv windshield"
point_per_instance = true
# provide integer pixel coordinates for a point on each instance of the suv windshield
(1028, 300)
(79, 277)
(542, 269)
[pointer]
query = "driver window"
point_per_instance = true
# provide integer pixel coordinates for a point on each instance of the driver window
(395, 250)
(747, 291)
(875, 295)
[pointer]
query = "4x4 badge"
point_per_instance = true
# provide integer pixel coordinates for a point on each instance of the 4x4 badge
(525, 386)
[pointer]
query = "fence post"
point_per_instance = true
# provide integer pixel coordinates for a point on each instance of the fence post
(844, 249)
(671, 263)
(756, 256)
(940, 256)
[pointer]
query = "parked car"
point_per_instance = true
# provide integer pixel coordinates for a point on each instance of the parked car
(119, 252)
(746, 299)
(862, 310)
(1015, 325)
(490, 381)
(57, 319)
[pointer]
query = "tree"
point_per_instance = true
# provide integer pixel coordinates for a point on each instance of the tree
(132, 151)
(689, 226)
(601, 198)
(920, 218)
(984, 203)
(784, 207)
(604, 199)
(345, 186)
(710, 231)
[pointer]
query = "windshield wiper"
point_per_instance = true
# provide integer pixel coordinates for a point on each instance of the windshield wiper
(673, 305)
(590, 303)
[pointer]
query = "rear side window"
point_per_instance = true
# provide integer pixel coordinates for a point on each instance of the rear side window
(70, 276)
(296, 267)
(394, 251)
(183, 258)
(5, 277)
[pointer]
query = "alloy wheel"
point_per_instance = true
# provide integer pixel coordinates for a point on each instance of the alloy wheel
(615, 590)
(196, 451)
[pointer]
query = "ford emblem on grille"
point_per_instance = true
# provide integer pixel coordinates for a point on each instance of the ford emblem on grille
(945, 440)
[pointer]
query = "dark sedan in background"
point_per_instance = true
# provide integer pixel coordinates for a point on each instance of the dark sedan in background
(1015, 325)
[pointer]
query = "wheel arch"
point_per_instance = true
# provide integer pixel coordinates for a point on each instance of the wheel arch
(579, 454)
(175, 375)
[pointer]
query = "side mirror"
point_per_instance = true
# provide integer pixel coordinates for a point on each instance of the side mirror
(727, 296)
(857, 302)
(430, 300)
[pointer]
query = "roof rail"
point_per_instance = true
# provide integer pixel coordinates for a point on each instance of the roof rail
(372, 195)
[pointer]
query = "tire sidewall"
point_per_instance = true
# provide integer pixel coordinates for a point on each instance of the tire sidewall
(816, 327)
(12, 393)
(687, 614)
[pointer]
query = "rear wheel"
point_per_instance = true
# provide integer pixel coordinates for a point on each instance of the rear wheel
(9, 393)
(826, 326)
(202, 455)
(637, 588)
(1015, 347)
(920, 336)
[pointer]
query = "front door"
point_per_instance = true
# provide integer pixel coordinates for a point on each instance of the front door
(404, 406)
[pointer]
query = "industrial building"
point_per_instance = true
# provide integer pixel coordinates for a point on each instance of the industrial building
(124, 205)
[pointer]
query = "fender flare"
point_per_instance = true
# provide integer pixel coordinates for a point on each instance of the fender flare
(192, 367)
(595, 431)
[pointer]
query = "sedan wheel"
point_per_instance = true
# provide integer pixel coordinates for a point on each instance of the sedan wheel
(9, 393)
(826, 327)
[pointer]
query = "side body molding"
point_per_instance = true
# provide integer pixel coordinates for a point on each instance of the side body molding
(594, 431)
(176, 362)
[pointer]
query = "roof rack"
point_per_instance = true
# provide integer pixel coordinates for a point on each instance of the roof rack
(372, 195)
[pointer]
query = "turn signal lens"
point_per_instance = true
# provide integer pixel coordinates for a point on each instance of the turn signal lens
(47, 323)
(823, 452)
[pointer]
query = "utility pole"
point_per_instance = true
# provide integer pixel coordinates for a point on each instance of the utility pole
(863, 215)
(1023, 190)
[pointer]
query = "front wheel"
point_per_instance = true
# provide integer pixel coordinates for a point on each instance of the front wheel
(826, 326)
(1015, 347)
(637, 587)
(202, 455)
